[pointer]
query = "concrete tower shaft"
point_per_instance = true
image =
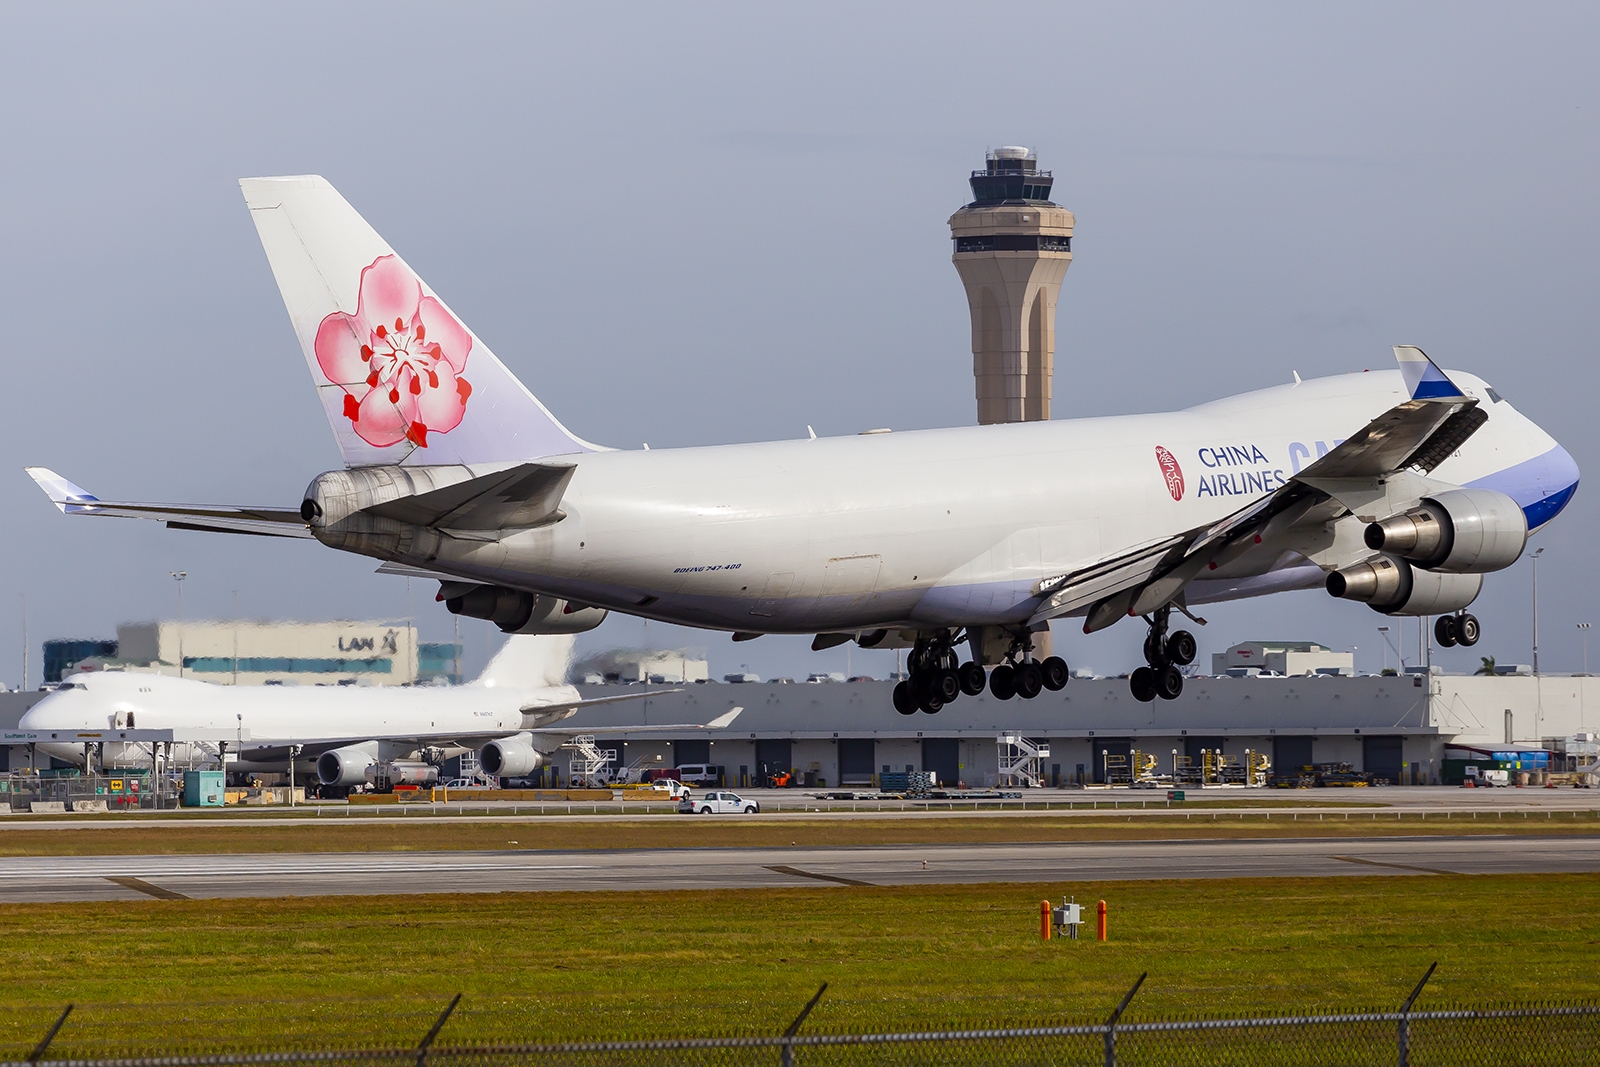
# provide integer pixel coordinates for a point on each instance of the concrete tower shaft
(1012, 249)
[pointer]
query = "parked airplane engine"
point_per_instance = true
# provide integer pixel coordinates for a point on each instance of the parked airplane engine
(510, 757)
(1393, 586)
(402, 772)
(1463, 531)
(519, 612)
(344, 766)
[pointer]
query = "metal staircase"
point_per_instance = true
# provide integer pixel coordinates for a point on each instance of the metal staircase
(1021, 760)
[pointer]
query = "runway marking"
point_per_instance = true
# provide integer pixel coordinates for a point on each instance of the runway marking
(1396, 866)
(798, 873)
(139, 885)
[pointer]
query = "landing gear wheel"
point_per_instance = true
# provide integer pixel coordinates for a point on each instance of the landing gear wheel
(1467, 631)
(945, 684)
(1169, 683)
(1181, 648)
(1003, 682)
(1153, 647)
(1444, 631)
(1143, 683)
(1054, 670)
(973, 678)
(904, 702)
(932, 704)
(1030, 679)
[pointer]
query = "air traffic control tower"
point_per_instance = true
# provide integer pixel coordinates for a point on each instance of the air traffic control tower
(1012, 248)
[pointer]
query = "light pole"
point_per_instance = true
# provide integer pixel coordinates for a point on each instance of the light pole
(1535, 558)
(1583, 628)
(179, 576)
(1383, 634)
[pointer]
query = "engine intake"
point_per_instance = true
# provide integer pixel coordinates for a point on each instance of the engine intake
(510, 757)
(344, 766)
(1462, 531)
(1391, 585)
(516, 611)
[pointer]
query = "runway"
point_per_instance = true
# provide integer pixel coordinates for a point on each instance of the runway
(94, 878)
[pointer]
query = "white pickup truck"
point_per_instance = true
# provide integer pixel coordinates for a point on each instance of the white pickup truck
(718, 802)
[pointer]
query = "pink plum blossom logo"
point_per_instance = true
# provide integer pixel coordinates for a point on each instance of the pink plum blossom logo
(399, 359)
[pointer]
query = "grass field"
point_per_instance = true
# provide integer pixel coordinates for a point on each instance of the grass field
(393, 834)
(345, 971)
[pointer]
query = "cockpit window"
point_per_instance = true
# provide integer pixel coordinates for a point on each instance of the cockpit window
(1493, 395)
(67, 685)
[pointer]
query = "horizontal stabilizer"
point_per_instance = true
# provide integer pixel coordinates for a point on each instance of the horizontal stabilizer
(519, 497)
(72, 499)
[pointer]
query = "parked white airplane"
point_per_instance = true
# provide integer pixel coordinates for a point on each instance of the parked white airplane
(1397, 489)
(347, 735)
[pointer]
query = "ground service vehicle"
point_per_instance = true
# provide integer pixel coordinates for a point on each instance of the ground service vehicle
(718, 802)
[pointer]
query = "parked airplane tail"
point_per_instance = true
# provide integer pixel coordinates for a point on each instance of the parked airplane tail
(529, 661)
(401, 378)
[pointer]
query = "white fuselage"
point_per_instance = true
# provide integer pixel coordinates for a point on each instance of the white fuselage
(261, 722)
(956, 527)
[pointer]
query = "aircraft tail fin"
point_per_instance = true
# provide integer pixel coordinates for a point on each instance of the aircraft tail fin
(1424, 379)
(529, 661)
(401, 378)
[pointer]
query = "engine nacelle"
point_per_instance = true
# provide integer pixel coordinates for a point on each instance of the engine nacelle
(1391, 585)
(516, 611)
(1462, 531)
(344, 766)
(402, 772)
(510, 757)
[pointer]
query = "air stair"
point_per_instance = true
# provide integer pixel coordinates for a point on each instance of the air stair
(1021, 760)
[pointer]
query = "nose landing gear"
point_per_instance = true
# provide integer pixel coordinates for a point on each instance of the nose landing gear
(1163, 656)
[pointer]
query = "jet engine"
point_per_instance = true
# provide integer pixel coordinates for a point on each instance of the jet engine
(1462, 531)
(510, 757)
(518, 612)
(344, 766)
(1393, 586)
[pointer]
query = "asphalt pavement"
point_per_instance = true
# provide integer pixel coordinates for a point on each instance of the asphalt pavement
(57, 878)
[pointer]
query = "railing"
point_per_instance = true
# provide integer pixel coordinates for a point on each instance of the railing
(1529, 1034)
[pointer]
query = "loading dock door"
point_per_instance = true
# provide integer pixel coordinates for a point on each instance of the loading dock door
(1193, 745)
(1381, 757)
(773, 757)
(942, 756)
(856, 755)
(686, 752)
(1104, 748)
(1289, 754)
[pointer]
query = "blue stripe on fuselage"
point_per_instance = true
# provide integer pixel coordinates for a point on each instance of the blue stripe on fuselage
(1541, 486)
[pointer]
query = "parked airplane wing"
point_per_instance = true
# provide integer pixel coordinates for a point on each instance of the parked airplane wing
(1417, 433)
(72, 499)
(721, 722)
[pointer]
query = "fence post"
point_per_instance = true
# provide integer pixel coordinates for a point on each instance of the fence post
(794, 1027)
(422, 1049)
(39, 1049)
(1111, 1023)
(1404, 1031)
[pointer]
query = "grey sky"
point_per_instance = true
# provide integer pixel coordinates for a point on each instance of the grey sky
(693, 224)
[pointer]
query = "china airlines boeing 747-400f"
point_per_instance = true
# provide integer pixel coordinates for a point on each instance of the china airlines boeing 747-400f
(1398, 489)
(348, 735)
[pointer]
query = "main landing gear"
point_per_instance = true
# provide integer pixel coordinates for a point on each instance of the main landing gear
(1164, 655)
(938, 677)
(1458, 629)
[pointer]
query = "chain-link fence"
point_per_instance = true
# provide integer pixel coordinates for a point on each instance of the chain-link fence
(1507, 1036)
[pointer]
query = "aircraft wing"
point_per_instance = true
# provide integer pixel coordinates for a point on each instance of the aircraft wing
(1419, 433)
(721, 722)
(72, 499)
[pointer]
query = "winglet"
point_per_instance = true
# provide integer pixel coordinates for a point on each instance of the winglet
(1424, 379)
(723, 721)
(62, 493)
